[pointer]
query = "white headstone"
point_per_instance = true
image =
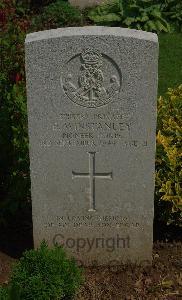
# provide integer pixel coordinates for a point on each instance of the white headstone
(92, 119)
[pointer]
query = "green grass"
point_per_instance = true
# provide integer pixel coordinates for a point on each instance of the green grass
(170, 61)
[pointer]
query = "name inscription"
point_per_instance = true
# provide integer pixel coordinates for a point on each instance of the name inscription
(102, 129)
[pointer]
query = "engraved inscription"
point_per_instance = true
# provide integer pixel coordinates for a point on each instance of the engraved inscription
(90, 88)
(94, 220)
(92, 175)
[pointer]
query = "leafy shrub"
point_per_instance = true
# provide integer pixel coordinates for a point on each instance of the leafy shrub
(44, 274)
(109, 13)
(14, 161)
(172, 11)
(3, 293)
(60, 13)
(169, 157)
(137, 14)
(143, 14)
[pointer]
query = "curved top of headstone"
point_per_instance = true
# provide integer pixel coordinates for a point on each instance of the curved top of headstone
(91, 30)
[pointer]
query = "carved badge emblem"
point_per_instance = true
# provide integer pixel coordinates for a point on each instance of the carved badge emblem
(91, 79)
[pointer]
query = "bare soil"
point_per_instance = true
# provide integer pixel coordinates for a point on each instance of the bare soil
(161, 281)
(6, 263)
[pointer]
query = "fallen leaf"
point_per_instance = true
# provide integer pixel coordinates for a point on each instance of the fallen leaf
(167, 284)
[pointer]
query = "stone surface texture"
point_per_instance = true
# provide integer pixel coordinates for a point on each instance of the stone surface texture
(86, 3)
(92, 118)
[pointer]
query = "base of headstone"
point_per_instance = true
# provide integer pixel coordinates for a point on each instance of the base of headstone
(86, 3)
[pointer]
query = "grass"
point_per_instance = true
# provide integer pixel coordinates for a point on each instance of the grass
(170, 61)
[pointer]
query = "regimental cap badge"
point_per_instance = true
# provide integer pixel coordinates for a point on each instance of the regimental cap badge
(93, 86)
(90, 56)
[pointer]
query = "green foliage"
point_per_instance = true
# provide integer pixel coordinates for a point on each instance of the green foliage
(148, 15)
(143, 15)
(3, 293)
(172, 11)
(169, 155)
(107, 14)
(170, 62)
(59, 14)
(14, 161)
(44, 274)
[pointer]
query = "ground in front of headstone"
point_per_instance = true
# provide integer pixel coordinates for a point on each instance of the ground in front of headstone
(6, 263)
(161, 281)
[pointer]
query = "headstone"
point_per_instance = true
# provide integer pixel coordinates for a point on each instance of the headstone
(87, 3)
(92, 119)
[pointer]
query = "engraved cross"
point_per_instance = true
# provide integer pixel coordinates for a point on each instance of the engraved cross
(92, 175)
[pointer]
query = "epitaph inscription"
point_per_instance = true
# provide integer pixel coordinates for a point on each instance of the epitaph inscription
(91, 95)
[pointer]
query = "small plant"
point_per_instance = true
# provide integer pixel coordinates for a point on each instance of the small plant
(44, 274)
(169, 157)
